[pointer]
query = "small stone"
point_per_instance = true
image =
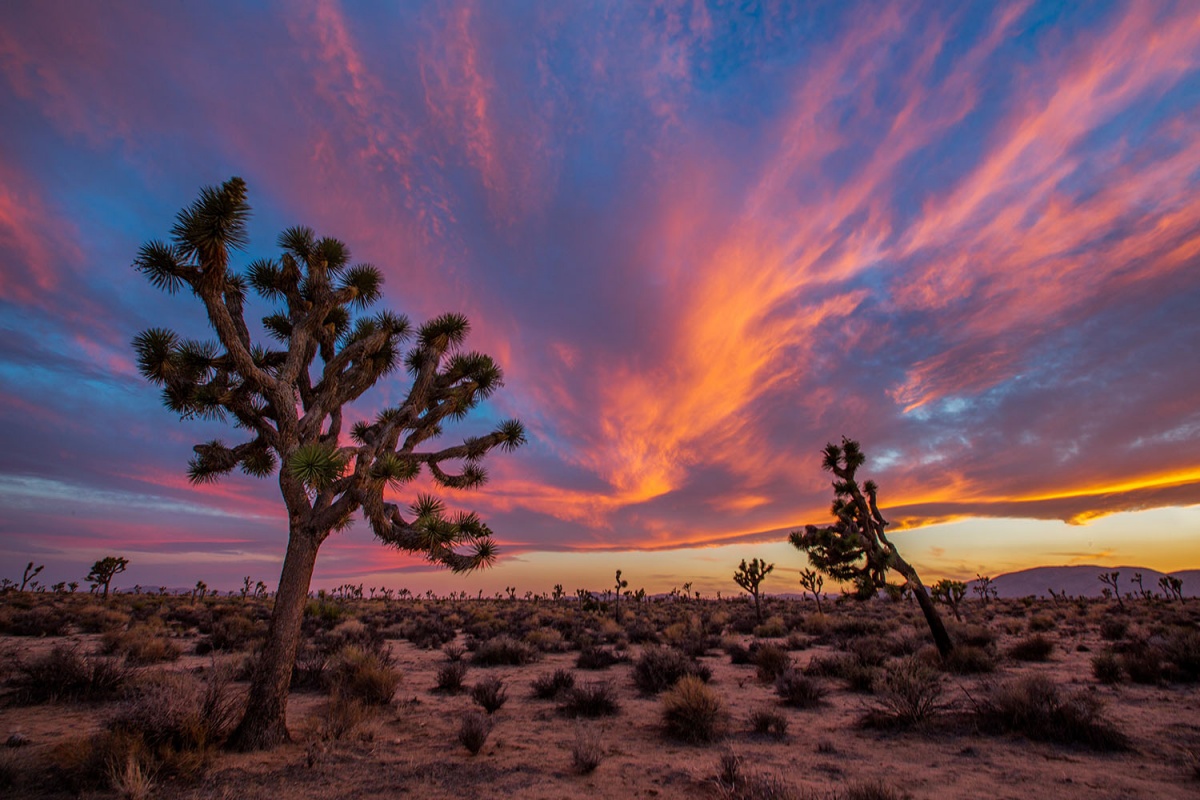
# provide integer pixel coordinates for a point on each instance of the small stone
(16, 740)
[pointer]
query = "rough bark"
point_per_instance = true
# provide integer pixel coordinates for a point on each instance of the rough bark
(932, 618)
(264, 724)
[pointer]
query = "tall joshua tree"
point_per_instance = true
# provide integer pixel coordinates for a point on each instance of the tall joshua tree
(750, 577)
(855, 549)
(287, 399)
(104, 570)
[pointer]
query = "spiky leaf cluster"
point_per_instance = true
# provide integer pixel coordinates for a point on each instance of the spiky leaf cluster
(326, 349)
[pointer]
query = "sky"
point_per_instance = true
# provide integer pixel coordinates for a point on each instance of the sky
(702, 239)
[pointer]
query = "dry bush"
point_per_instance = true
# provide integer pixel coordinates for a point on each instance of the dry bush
(1114, 628)
(364, 674)
(1032, 648)
(141, 644)
(588, 750)
(659, 668)
(797, 690)
(769, 722)
(450, 677)
(98, 619)
(771, 661)
(969, 659)
(341, 716)
(596, 699)
(550, 685)
(869, 790)
(599, 658)
(692, 712)
(1106, 668)
(734, 784)
(490, 694)
(547, 640)
(42, 620)
(909, 694)
(66, 673)
(1182, 650)
(1034, 707)
(132, 781)
(504, 651)
(473, 731)
(773, 628)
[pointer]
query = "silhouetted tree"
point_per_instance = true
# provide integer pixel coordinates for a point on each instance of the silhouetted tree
(104, 570)
(288, 397)
(617, 602)
(855, 549)
(814, 582)
(951, 593)
(750, 577)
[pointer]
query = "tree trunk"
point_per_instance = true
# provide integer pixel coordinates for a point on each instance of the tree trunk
(932, 618)
(264, 724)
(757, 608)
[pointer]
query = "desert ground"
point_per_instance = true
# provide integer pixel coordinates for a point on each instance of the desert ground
(1073, 698)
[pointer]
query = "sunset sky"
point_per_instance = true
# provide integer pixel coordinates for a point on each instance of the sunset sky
(701, 239)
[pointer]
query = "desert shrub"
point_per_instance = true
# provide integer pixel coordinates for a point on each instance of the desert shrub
(588, 750)
(773, 628)
(691, 711)
(546, 640)
(797, 641)
(235, 632)
(738, 653)
(1182, 649)
(969, 659)
(450, 677)
(909, 693)
(66, 673)
(1114, 628)
(38, 621)
(428, 632)
(310, 672)
(596, 699)
(96, 619)
(599, 658)
(1143, 663)
(1034, 707)
(658, 668)
(550, 685)
(504, 651)
(1106, 668)
(858, 677)
(473, 731)
(82, 765)
(734, 783)
(870, 651)
(490, 694)
(141, 644)
(769, 722)
(640, 631)
(341, 716)
(1032, 648)
(797, 690)
(366, 675)
(771, 661)
(1041, 623)
(974, 635)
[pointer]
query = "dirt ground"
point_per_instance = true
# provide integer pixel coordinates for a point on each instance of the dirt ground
(409, 748)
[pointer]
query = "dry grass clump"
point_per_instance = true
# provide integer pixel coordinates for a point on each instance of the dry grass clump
(869, 790)
(473, 731)
(550, 685)
(588, 750)
(659, 668)
(769, 722)
(909, 694)
(340, 717)
(367, 675)
(599, 658)
(1034, 707)
(141, 644)
(42, 620)
(504, 651)
(692, 712)
(490, 694)
(450, 677)
(66, 673)
(733, 783)
(1106, 668)
(970, 659)
(1032, 648)
(596, 699)
(797, 690)
(771, 661)
(132, 781)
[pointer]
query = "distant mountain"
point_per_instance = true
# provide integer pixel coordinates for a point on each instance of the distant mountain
(1084, 581)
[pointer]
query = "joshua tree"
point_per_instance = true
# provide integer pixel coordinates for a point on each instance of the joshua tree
(31, 572)
(750, 577)
(1111, 579)
(104, 570)
(1172, 587)
(617, 603)
(984, 587)
(855, 549)
(288, 399)
(951, 593)
(813, 581)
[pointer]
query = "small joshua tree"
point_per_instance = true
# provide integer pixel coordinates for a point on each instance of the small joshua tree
(617, 602)
(31, 572)
(813, 582)
(1111, 579)
(104, 570)
(1172, 587)
(855, 549)
(951, 593)
(287, 397)
(984, 588)
(750, 577)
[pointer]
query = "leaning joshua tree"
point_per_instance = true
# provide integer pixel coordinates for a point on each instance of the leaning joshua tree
(854, 549)
(288, 399)
(104, 570)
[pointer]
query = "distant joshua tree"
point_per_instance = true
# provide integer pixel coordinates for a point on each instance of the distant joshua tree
(104, 570)
(855, 549)
(1172, 587)
(951, 593)
(288, 397)
(1111, 579)
(31, 572)
(813, 581)
(985, 588)
(617, 602)
(750, 577)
